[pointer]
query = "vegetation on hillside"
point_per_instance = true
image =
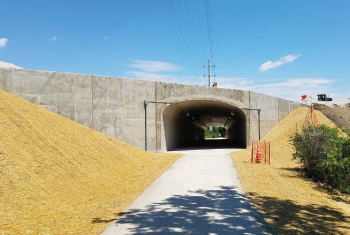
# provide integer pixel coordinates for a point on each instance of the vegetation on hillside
(290, 203)
(324, 154)
(215, 132)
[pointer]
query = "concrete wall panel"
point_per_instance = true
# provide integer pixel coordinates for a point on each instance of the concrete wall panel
(192, 91)
(293, 105)
(37, 87)
(216, 92)
(74, 97)
(108, 106)
(34, 82)
(180, 90)
(164, 90)
(283, 108)
(237, 97)
(268, 116)
(134, 93)
(115, 106)
(7, 79)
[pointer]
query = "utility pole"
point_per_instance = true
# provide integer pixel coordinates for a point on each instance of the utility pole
(209, 72)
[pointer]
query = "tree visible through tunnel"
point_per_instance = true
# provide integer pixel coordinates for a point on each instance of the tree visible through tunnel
(185, 124)
(215, 132)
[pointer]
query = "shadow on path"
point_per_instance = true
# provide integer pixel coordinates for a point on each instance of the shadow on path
(223, 211)
(289, 217)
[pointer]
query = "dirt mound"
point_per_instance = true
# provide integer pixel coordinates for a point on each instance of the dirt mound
(5, 65)
(59, 177)
(337, 114)
(291, 203)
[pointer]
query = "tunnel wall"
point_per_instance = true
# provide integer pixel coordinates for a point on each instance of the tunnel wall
(115, 106)
(178, 131)
(236, 130)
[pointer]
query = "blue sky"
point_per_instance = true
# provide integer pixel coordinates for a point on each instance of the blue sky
(280, 48)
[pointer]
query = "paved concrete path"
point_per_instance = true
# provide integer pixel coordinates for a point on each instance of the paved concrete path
(200, 194)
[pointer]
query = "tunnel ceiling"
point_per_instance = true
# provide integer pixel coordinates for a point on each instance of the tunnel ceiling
(211, 113)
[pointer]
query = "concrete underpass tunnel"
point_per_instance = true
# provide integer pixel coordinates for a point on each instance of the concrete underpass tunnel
(185, 123)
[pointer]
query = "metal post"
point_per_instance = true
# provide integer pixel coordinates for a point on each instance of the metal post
(259, 110)
(146, 102)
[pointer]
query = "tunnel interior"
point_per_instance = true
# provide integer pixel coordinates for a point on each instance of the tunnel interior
(185, 123)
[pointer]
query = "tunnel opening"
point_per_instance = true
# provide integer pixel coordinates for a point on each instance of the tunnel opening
(215, 132)
(185, 125)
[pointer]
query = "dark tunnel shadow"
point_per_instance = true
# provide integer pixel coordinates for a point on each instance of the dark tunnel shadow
(186, 122)
(210, 144)
(223, 212)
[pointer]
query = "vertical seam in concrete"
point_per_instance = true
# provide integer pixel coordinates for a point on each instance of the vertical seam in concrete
(288, 107)
(56, 91)
(107, 103)
(75, 110)
(250, 126)
(155, 109)
(278, 110)
(92, 101)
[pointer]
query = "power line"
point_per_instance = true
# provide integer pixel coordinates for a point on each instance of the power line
(192, 52)
(188, 33)
(209, 28)
(194, 37)
(182, 37)
(200, 27)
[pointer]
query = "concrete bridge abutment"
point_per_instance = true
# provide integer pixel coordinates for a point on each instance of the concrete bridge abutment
(115, 106)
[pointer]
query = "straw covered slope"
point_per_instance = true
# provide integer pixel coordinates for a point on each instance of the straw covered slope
(59, 177)
(291, 203)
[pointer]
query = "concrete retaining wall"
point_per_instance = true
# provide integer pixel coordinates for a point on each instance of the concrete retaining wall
(115, 106)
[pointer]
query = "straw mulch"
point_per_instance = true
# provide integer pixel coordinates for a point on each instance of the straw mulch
(291, 203)
(59, 177)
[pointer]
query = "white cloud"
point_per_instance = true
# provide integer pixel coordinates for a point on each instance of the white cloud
(154, 66)
(289, 89)
(54, 38)
(270, 65)
(235, 82)
(292, 89)
(3, 42)
(106, 38)
(190, 80)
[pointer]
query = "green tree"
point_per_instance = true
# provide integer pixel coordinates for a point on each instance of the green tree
(325, 155)
(208, 133)
(215, 131)
(222, 131)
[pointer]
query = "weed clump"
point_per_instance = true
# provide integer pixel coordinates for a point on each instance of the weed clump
(324, 154)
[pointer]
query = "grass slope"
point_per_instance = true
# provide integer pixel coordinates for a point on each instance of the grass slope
(291, 203)
(59, 177)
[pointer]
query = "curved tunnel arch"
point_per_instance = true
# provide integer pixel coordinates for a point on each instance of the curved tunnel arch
(185, 123)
